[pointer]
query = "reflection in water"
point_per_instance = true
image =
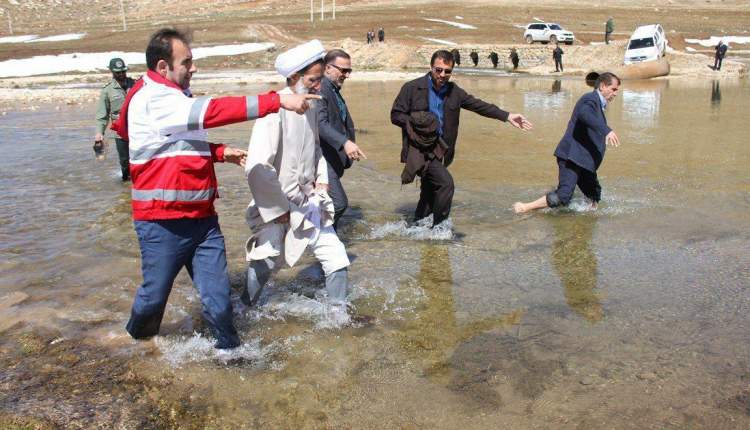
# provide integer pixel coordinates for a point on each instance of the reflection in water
(641, 107)
(556, 85)
(715, 94)
(576, 264)
(434, 332)
(545, 101)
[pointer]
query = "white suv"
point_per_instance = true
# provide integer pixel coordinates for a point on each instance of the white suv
(547, 32)
(646, 44)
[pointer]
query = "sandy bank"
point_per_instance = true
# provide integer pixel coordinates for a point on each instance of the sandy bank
(377, 62)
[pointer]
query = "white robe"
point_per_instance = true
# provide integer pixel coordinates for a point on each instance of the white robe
(284, 162)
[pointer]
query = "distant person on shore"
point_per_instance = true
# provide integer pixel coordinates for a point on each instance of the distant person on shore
(174, 183)
(436, 94)
(721, 52)
(581, 150)
(111, 99)
(557, 54)
(336, 128)
(494, 59)
(456, 57)
(608, 29)
(369, 37)
(474, 57)
(513, 56)
(288, 177)
(381, 35)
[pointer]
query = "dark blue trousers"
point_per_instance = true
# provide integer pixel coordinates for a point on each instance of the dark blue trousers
(166, 247)
(570, 175)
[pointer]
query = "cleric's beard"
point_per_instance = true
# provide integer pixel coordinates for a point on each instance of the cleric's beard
(299, 88)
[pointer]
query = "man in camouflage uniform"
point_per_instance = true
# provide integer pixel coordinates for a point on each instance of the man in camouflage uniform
(108, 109)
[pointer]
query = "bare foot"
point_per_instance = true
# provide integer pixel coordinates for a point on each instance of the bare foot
(519, 207)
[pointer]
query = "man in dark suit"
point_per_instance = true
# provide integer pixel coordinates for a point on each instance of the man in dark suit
(581, 151)
(434, 93)
(336, 128)
(721, 51)
(557, 54)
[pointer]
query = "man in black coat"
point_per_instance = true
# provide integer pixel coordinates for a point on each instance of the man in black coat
(336, 128)
(494, 59)
(721, 51)
(557, 54)
(435, 93)
(456, 57)
(581, 150)
(474, 58)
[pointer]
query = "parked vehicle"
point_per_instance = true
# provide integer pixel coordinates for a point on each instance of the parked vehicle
(647, 43)
(546, 33)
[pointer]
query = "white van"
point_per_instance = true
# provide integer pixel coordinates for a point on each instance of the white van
(647, 43)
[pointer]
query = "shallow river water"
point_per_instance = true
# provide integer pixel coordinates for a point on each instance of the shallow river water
(636, 315)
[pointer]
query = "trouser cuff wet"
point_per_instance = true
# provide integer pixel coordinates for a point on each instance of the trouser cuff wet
(337, 284)
(258, 272)
(143, 326)
(553, 200)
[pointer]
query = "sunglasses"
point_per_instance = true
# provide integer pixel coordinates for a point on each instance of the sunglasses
(440, 70)
(343, 70)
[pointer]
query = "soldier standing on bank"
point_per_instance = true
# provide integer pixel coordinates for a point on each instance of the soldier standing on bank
(557, 54)
(513, 58)
(456, 57)
(608, 29)
(494, 58)
(108, 109)
(474, 57)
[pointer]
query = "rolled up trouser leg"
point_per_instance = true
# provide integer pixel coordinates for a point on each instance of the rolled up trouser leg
(331, 253)
(567, 181)
(337, 285)
(258, 273)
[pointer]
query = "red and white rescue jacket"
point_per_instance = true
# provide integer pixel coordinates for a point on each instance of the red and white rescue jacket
(171, 163)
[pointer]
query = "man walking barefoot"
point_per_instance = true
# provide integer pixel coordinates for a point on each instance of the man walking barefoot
(581, 151)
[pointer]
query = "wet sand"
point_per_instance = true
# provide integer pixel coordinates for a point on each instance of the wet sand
(633, 316)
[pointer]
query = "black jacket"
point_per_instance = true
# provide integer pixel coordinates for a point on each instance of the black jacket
(332, 131)
(414, 96)
(584, 141)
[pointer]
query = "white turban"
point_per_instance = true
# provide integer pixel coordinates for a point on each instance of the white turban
(299, 57)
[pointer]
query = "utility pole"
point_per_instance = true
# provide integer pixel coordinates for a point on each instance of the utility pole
(312, 18)
(334, 9)
(122, 13)
(322, 17)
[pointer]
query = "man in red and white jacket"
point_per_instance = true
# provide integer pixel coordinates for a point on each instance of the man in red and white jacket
(174, 183)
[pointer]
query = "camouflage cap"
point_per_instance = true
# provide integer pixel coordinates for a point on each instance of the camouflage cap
(117, 65)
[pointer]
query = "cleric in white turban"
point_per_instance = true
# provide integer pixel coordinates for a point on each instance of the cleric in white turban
(288, 178)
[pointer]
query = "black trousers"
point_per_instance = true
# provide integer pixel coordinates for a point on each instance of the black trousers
(338, 195)
(717, 62)
(558, 63)
(124, 156)
(436, 194)
(570, 175)
(606, 37)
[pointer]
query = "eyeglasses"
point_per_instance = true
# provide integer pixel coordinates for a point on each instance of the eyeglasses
(343, 70)
(440, 70)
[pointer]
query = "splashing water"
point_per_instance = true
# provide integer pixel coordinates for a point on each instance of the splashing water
(422, 230)
(323, 313)
(184, 349)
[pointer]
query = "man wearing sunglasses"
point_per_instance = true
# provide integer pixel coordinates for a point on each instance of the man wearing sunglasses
(336, 128)
(435, 93)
